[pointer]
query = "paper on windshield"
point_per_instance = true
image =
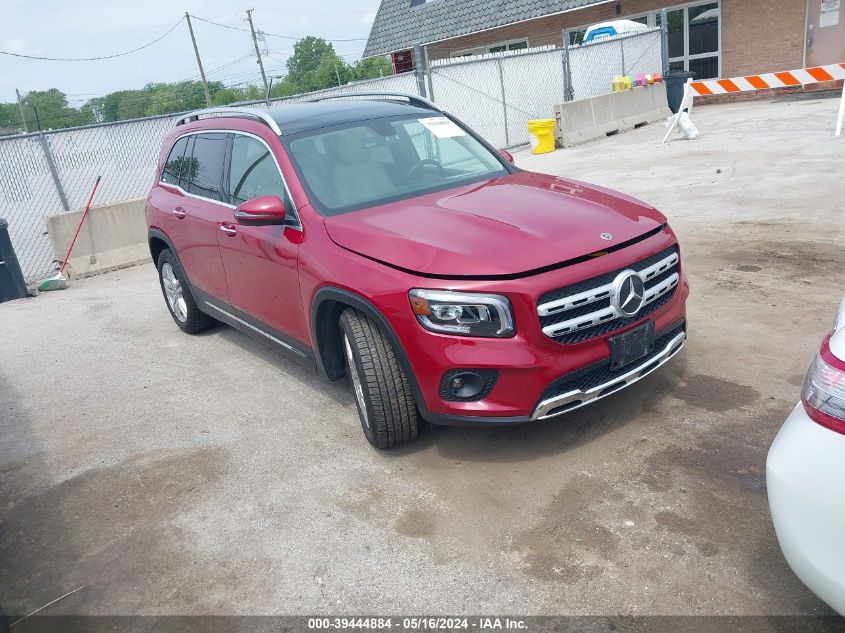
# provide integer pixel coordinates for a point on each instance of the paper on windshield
(442, 127)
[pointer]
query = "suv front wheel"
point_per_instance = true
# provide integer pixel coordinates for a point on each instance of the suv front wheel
(385, 402)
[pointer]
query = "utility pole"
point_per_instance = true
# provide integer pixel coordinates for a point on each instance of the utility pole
(20, 108)
(419, 69)
(199, 61)
(337, 74)
(257, 52)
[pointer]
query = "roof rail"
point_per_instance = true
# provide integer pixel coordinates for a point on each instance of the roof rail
(242, 113)
(416, 100)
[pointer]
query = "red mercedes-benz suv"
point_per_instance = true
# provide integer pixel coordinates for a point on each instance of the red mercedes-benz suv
(379, 237)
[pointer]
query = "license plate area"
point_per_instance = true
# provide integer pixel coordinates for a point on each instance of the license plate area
(631, 346)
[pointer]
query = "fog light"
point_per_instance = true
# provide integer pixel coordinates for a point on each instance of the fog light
(466, 385)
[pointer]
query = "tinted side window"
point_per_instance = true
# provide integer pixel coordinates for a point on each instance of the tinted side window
(206, 166)
(175, 162)
(253, 171)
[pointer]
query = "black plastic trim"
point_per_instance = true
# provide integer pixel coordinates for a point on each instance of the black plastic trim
(332, 293)
(158, 233)
(488, 379)
(291, 347)
(447, 419)
(554, 386)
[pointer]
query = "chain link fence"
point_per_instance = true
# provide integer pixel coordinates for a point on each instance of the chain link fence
(593, 65)
(48, 173)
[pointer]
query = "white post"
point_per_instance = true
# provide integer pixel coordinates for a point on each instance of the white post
(686, 102)
(841, 114)
(691, 95)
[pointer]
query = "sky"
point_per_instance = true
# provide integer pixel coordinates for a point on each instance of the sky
(92, 28)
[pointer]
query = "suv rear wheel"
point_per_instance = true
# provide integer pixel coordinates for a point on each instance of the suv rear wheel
(177, 295)
(385, 402)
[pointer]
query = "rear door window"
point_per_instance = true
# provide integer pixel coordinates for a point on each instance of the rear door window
(253, 171)
(205, 169)
(175, 162)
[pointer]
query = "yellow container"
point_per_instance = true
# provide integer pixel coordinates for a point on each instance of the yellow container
(541, 133)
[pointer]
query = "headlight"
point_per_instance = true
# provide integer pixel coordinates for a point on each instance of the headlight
(464, 313)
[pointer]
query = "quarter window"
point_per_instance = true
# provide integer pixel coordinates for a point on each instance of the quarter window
(206, 166)
(175, 163)
(253, 171)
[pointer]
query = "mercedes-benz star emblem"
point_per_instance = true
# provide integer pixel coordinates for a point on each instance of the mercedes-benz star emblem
(606, 236)
(628, 293)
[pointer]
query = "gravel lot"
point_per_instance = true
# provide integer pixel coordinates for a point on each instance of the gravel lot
(172, 474)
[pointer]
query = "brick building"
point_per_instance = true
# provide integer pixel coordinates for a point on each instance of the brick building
(713, 38)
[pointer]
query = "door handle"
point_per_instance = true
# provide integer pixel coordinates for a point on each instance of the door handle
(179, 212)
(228, 230)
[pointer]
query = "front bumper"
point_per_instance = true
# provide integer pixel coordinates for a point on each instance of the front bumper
(538, 385)
(805, 469)
(598, 383)
(534, 367)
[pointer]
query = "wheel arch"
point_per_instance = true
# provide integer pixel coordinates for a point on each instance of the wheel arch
(328, 304)
(158, 241)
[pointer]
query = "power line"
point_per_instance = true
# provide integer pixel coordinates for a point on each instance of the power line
(285, 37)
(93, 59)
(77, 96)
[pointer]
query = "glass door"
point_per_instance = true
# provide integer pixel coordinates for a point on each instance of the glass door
(694, 39)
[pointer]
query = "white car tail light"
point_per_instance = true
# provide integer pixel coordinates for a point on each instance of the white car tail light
(823, 393)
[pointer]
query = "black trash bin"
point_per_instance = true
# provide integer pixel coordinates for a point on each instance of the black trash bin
(675, 88)
(12, 285)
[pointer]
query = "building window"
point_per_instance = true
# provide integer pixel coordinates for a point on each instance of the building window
(422, 3)
(500, 47)
(694, 39)
(402, 61)
(509, 46)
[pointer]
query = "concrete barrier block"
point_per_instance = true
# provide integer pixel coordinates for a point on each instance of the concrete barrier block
(113, 236)
(588, 119)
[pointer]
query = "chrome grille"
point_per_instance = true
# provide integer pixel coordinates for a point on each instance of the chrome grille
(584, 310)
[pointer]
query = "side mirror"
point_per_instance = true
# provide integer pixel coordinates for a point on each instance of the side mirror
(261, 210)
(506, 155)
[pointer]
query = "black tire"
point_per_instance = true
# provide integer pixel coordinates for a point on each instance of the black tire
(388, 411)
(193, 321)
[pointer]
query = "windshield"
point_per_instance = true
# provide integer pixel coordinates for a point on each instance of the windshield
(383, 160)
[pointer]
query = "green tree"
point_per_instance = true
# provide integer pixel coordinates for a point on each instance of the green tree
(10, 117)
(117, 106)
(283, 88)
(53, 109)
(372, 67)
(167, 98)
(315, 65)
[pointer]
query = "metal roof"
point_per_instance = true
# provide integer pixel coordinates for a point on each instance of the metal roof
(399, 26)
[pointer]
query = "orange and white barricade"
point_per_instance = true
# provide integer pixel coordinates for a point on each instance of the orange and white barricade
(751, 83)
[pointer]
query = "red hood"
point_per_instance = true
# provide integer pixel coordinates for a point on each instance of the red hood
(505, 226)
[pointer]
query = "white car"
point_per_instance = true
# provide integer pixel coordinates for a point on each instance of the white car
(805, 475)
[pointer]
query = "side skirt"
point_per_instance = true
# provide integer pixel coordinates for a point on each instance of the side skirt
(253, 327)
